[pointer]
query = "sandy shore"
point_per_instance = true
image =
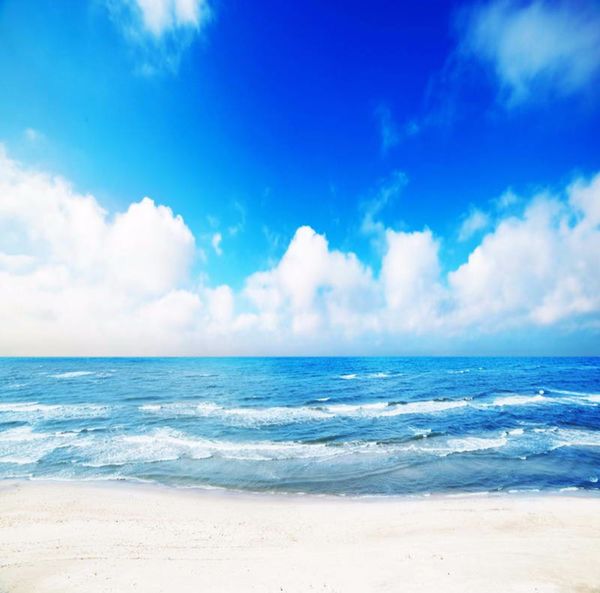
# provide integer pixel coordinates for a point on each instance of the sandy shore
(91, 538)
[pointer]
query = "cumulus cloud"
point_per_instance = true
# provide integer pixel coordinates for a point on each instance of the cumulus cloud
(75, 279)
(410, 280)
(535, 47)
(539, 268)
(160, 30)
(311, 288)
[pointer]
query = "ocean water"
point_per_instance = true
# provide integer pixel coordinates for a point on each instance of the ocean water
(321, 425)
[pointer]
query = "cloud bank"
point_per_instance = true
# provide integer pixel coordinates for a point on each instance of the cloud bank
(76, 280)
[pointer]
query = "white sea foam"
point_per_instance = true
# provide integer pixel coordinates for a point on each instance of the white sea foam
(25, 407)
(288, 414)
(21, 434)
(516, 432)
(355, 409)
(273, 415)
(167, 444)
(161, 445)
(72, 374)
(28, 410)
(18, 460)
(469, 444)
(384, 409)
(150, 407)
(424, 407)
(542, 397)
(375, 375)
(580, 396)
(282, 414)
(570, 392)
(571, 437)
(556, 437)
(269, 415)
(521, 400)
(443, 448)
(22, 445)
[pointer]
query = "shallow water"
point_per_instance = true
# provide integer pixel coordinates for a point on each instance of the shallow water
(326, 425)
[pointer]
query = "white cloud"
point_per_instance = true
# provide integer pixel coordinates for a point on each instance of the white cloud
(311, 289)
(535, 47)
(220, 302)
(145, 249)
(410, 280)
(476, 221)
(539, 268)
(506, 200)
(72, 277)
(76, 280)
(216, 243)
(160, 30)
(585, 198)
(162, 16)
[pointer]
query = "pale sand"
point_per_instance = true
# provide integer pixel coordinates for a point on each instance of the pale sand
(86, 538)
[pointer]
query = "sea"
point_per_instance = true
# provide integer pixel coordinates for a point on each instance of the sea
(339, 426)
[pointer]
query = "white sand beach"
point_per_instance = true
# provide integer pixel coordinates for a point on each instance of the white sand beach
(89, 537)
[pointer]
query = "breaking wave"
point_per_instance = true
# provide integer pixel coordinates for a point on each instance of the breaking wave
(288, 414)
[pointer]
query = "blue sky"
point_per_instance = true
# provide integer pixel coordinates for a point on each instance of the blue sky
(251, 121)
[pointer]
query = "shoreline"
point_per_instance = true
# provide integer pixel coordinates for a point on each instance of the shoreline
(98, 536)
(222, 491)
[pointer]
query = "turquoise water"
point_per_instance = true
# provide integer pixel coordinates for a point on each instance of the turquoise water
(323, 425)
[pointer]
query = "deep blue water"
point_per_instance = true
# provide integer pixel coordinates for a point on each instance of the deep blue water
(326, 425)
